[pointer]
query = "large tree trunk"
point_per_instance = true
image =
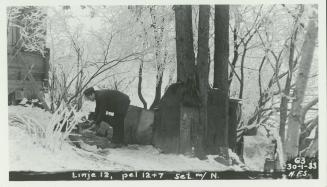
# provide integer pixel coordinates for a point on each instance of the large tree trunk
(221, 47)
(221, 72)
(186, 75)
(203, 79)
(177, 112)
(294, 122)
(184, 43)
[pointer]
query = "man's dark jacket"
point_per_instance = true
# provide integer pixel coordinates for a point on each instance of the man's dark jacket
(112, 101)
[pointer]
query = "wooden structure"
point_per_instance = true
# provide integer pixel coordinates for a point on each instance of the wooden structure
(27, 71)
(177, 116)
(138, 126)
(167, 120)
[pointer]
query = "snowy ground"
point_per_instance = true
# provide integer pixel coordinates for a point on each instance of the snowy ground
(28, 155)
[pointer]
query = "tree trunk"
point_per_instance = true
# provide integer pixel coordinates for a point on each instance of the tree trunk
(159, 58)
(157, 96)
(184, 43)
(203, 79)
(235, 57)
(171, 78)
(284, 101)
(307, 107)
(242, 73)
(139, 86)
(260, 102)
(221, 46)
(291, 65)
(221, 71)
(186, 75)
(78, 99)
(294, 122)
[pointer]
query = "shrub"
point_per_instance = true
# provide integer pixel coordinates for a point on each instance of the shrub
(51, 135)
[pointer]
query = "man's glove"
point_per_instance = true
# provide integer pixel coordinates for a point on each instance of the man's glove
(92, 127)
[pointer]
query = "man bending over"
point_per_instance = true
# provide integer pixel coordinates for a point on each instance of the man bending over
(110, 101)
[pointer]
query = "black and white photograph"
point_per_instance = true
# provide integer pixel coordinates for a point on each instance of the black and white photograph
(102, 92)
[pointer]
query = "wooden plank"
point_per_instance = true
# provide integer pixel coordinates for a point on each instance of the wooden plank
(166, 129)
(167, 121)
(144, 131)
(34, 60)
(30, 59)
(138, 126)
(131, 122)
(188, 115)
(27, 84)
(35, 65)
(13, 35)
(19, 67)
(16, 74)
(29, 91)
(217, 135)
(16, 32)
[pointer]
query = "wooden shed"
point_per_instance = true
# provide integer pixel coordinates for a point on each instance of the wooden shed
(27, 71)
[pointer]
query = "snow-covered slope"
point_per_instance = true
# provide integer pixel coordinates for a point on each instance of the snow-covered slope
(25, 154)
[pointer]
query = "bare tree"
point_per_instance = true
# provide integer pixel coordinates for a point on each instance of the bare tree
(157, 24)
(137, 11)
(294, 121)
(79, 50)
(242, 42)
(104, 66)
(89, 70)
(267, 93)
(158, 40)
(31, 24)
(292, 61)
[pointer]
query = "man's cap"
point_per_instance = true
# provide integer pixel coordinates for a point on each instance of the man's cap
(89, 91)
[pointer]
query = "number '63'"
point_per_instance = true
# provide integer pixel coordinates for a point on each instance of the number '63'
(299, 160)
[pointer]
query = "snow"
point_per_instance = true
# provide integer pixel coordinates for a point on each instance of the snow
(312, 133)
(26, 154)
(256, 149)
(149, 158)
